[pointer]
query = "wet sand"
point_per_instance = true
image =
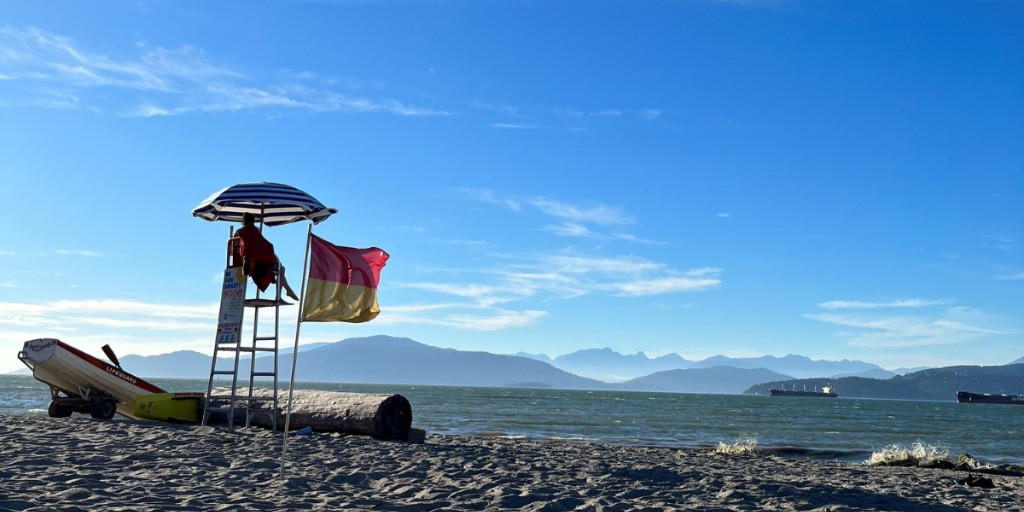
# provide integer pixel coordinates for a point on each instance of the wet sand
(79, 463)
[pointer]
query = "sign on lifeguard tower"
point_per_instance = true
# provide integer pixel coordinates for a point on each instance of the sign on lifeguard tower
(232, 306)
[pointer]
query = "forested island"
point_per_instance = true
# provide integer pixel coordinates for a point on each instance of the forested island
(930, 384)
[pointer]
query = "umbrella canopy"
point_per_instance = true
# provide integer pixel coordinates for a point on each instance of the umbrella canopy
(272, 203)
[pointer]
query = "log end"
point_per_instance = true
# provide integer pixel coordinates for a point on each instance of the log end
(394, 418)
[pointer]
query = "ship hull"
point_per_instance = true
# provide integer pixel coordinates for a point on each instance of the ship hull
(806, 394)
(966, 397)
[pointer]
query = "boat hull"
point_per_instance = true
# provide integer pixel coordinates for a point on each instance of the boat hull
(80, 375)
(170, 407)
(966, 397)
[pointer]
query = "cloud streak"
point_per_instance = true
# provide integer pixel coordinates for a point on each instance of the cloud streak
(574, 220)
(949, 326)
(128, 326)
(78, 252)
(1017, 276)
(556, 275)
(901, 303)
(164, 82)
(548, 277)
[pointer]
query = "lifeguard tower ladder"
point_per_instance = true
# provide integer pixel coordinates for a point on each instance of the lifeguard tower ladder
(229, 339)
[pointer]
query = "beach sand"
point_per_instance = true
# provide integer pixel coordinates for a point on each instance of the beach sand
(79, 463)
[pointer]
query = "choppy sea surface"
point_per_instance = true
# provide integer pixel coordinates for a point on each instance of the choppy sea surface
(847, 430)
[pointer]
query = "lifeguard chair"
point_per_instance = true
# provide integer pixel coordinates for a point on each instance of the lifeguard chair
(229, 339)
(273, 204)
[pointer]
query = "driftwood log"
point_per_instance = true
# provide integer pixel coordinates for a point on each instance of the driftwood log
(377, 415)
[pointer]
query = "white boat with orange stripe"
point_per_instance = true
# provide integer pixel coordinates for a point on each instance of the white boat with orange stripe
(82, 383)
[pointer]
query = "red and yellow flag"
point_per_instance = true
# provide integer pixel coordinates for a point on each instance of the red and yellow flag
(342, 285)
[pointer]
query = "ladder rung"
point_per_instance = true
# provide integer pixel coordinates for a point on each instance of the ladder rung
(264, 349)
(223, 372)
(264, 374)
(265, 338)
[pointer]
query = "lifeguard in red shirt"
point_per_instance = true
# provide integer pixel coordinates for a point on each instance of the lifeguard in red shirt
(258, 257)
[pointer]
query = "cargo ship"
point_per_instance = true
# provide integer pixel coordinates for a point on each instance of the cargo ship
(966, 397)
(826, 392)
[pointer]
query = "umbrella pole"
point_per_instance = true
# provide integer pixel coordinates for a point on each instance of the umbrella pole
(295, 349)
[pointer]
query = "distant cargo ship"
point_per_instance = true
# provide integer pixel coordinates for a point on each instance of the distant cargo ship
(826, 392)
(966, 397)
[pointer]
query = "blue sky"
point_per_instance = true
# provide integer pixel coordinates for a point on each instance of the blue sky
(832, 179)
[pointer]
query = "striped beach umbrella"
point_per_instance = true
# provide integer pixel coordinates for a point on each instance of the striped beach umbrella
(272, 203)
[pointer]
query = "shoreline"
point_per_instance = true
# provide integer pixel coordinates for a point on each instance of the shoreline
(81, 463)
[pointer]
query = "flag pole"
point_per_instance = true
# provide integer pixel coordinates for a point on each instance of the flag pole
(295, 348)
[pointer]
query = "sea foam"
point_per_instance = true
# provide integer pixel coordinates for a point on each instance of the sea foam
(743, 446)
(917, 454)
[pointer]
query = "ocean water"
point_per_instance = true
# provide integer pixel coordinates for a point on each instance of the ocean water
(846, 430)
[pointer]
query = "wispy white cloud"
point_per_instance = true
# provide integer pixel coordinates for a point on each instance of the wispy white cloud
(576, 230)
(502, 319)
(1017, 276)
(649, 114)
(544, 277)
(77, 252)
(6, 253)
(669, 284)
(128, 326)
(520, 118)
(633, 238)
(165, 82)
(599, 214)
(570, 229)
(560, 276)
(515, 126)
(149, 111)
(576, 220)
(997, 241)
(458, 290)
(723, 215)
(459, 241)
(901, 303)
(492, 319)
(950, 326)
(489, 196)
(503, 109)
(109, 307)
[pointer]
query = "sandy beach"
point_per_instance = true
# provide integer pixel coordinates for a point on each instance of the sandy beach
(83, 464)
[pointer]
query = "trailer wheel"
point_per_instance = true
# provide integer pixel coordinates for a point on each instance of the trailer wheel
(103, 409)
(58, 411)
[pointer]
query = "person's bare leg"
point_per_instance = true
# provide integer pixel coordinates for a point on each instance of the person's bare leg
(284, 283)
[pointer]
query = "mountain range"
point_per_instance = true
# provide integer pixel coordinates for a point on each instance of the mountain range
(607, 365)
(389, 360)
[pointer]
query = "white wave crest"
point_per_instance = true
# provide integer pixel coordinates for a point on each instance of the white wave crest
(743, 446)
(917, 454)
